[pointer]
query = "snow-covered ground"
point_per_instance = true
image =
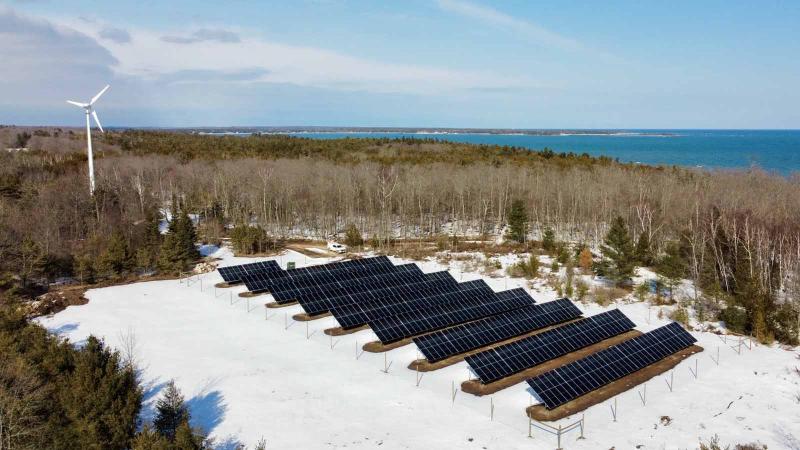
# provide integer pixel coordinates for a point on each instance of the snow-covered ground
(247, 376)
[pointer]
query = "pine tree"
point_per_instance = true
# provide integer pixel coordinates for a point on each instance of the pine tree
(147, 253)
(549, 240)
(186, 238)
(644, 256)
(101, 399)
(672, 267)
(171, 412)
(352, 236)
(116, 259)
(32, 261)
(186, 438)
(517, 221)
(178, 247)
(618, 258)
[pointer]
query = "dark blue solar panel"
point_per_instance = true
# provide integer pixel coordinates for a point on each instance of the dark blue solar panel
(453, 341)
(305, 276)
(458, 307)
(350, 310)
(234, 274)
(315, 297)
(580, 377)
(508, 359)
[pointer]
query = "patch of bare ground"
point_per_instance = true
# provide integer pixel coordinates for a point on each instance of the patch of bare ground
(225, 285)
(339, 331)
(279, 305)
(306, 317)
(422, 365)
(475, 387)
(312, 249)
(540, 413)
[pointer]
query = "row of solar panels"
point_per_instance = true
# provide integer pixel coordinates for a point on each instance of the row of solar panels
(447, 318)
(397, 302)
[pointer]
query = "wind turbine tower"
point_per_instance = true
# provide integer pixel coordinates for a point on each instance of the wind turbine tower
(88, 107)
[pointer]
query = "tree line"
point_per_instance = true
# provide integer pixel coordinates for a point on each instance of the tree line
(736, 234)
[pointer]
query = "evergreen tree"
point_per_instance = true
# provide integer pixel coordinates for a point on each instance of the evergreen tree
(150, 246)
(672, 267)
(171, 412)
(32, 261)
(517, 221)
(186, 238)
(644, 256)
(148, 439)
(549, 240)
(101, 399)
(352, 236)
(618, 258)
(116, 259)
(178, 247)
(186, 438)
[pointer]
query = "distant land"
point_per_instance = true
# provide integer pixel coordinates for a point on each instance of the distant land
(421, 130)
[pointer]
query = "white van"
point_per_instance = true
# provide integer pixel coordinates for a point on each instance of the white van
(336, 247)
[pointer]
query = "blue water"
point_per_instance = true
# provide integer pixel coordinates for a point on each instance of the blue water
(773, 150)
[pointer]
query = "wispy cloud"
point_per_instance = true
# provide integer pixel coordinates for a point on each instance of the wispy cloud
(204, 35)
(159, 55)
(494, 17)
(118, 35)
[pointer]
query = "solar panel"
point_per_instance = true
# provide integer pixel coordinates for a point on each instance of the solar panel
(234, 274)
(508, 359)
(577, 378)
(315, 298)
(305, 276)
(454, 308)
(361, 311)
(345, 307)
(443, 344)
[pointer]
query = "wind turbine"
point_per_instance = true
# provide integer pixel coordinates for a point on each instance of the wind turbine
(90, 111)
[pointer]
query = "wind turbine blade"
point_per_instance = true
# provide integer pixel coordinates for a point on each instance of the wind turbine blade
(94, 99)
(79, 105)
(97, 121)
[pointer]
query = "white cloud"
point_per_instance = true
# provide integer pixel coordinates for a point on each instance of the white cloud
(492, 16)
(148, 55)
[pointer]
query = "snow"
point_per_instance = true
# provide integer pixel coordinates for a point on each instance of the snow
(247, 376)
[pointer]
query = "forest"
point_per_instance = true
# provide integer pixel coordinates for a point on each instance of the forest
(735, 234)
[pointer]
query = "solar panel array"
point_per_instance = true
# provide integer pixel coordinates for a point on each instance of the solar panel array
(234, 274)
(356, 309)
(453, 341)
(314, 299)
(454, 308)
(575, 379)
(306, 276)
(502, 361)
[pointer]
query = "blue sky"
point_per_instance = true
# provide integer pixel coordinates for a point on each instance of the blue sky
(438, 63)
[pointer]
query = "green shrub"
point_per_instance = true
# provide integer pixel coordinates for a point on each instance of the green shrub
(735, 318)
(680, 315)
(526, 268)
